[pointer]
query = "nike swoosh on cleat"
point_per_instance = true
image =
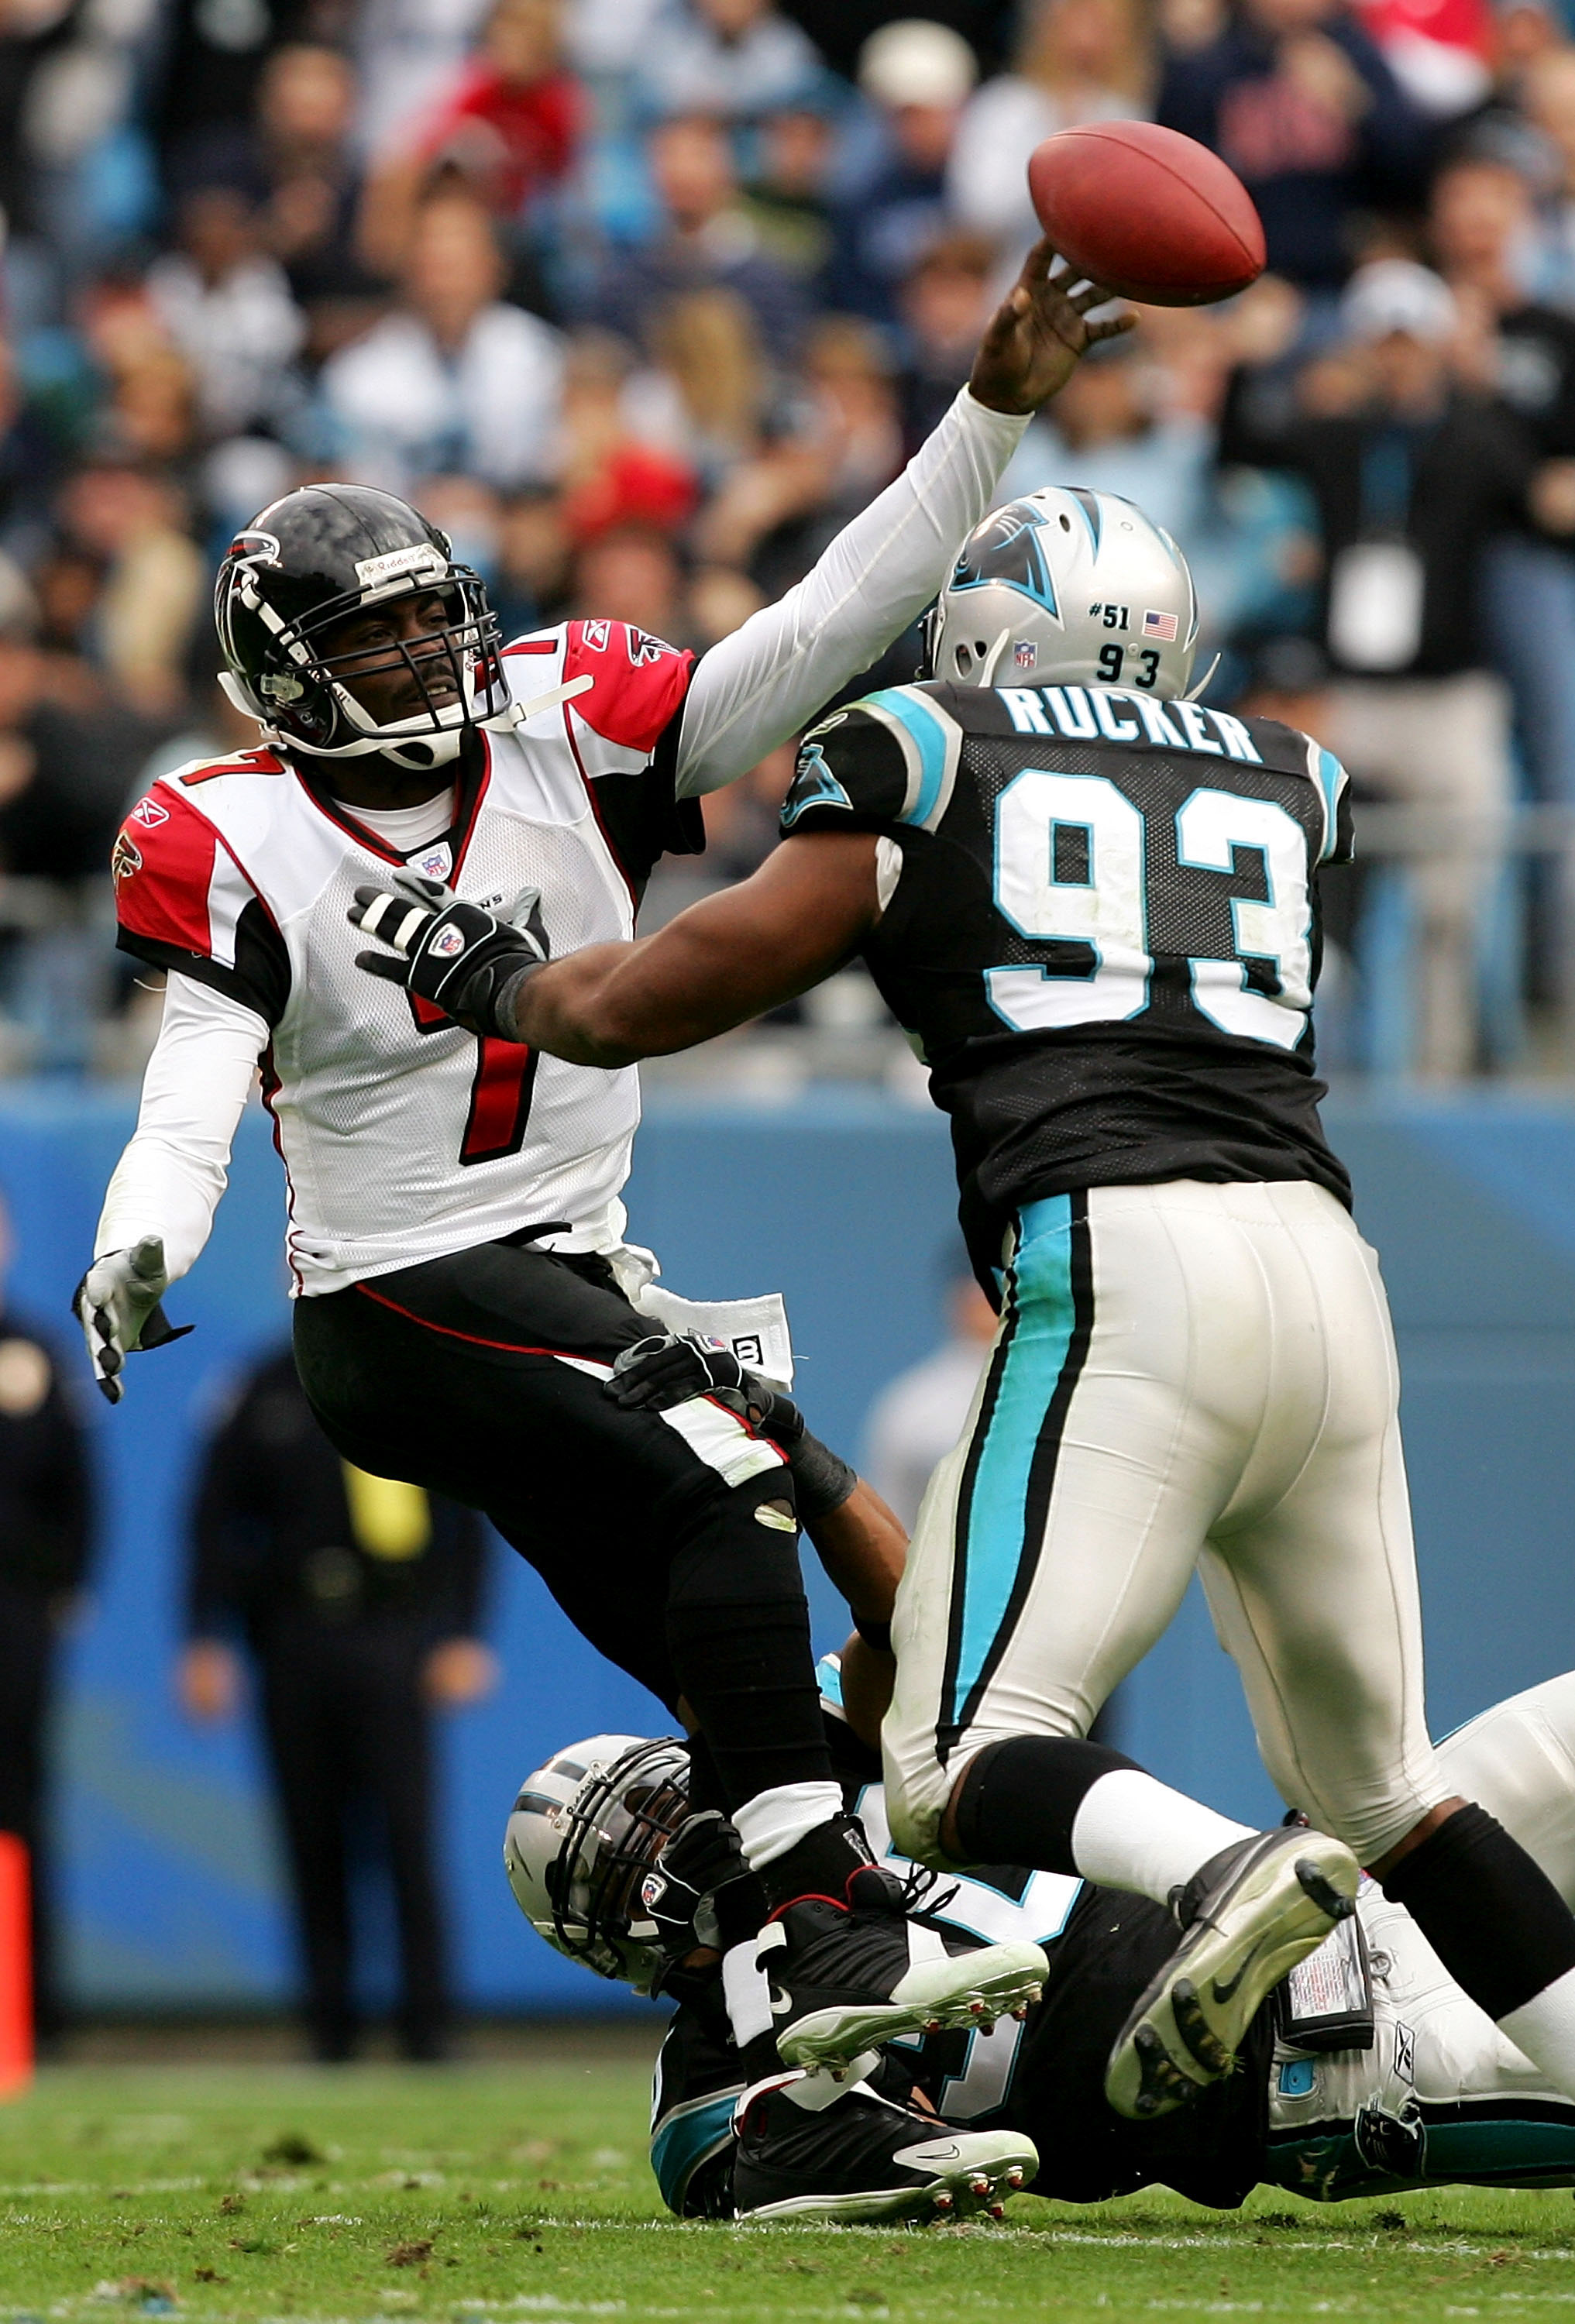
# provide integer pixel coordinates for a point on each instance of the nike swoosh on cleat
(1223, 1993)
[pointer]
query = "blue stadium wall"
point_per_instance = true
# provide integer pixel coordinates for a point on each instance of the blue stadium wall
(168, 1873)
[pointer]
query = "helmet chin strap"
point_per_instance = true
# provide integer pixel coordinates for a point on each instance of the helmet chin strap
(986, 668)
(415, 753)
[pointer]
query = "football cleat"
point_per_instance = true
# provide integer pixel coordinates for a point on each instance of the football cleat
(865, 2158)
(851, 1979)
(1248, 1916)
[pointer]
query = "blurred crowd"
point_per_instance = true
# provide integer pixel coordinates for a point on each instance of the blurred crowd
(639, 299)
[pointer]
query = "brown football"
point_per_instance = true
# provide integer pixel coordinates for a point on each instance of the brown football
(1153, 214)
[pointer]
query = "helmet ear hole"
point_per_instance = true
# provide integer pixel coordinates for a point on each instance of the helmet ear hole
(963, 661)
(1065, 522)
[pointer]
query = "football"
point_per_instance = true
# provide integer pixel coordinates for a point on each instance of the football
(1153, 214)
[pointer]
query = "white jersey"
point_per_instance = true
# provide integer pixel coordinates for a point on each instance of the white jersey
(403, 1138)
(405, 1141)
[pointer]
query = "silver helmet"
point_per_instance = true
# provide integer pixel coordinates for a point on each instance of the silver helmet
(1067, 587)
(585, 1830)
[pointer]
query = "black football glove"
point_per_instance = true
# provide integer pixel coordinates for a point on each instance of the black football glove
(452, 954)
(657, 1373)
(678, 1895)
(671, 1367)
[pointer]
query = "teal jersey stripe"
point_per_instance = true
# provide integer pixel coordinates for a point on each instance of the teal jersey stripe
(1328, 2165)
(689, 2136)
(1040, 1289)
(914, 713)
(1331, 774)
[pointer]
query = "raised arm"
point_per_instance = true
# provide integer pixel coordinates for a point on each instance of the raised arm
(768, 679)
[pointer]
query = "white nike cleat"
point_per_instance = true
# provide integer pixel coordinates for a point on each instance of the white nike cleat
(1248, 1916)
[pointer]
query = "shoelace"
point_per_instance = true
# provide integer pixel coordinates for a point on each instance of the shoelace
(915, 1891)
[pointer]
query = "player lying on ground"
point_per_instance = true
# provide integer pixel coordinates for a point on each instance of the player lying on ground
(455, 1233)
(1371, 2074)
(1094, 906)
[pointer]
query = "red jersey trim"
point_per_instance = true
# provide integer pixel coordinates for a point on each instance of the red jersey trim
(619, 865)
(352, 830)
(254, 762)
(471, 1339)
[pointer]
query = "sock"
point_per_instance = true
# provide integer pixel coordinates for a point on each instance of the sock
(1134, 1832)
(1502, 1931)
(1065, 1805)
(774, 1822)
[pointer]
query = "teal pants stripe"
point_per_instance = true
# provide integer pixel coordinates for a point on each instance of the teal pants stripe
(1003, 1501)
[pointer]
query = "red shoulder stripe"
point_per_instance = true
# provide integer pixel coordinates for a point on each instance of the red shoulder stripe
(640, 681)
(162, 866)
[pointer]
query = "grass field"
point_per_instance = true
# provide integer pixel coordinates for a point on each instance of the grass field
(518, 2192)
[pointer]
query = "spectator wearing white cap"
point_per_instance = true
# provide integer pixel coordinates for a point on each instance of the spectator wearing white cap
(1412, 476)
(917, 75)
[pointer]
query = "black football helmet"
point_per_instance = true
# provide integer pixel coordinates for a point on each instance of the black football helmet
(309, 561)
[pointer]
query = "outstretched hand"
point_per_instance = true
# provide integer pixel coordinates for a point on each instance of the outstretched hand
(1035, 339)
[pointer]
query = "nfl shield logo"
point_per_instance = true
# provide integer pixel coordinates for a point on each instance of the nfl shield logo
(437, 863)
(448, 941)
(1023, 654)
(653, 1889)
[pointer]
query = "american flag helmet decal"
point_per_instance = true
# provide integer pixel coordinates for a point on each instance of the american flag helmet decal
(1160, 625)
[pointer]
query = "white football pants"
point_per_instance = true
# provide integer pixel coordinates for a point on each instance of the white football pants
(1184, 1376)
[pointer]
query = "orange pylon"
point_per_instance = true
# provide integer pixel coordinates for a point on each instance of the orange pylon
(15, 1968)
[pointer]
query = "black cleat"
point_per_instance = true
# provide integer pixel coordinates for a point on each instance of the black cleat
(1248, 1916)
(850, 1980)
(865, 2158)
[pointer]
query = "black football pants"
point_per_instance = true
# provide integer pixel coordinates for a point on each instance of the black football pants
(480, 1376)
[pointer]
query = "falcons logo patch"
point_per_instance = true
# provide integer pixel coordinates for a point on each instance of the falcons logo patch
(125, 862)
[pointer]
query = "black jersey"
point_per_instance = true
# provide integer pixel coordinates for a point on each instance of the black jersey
(1044, 2076)
(1100, 929)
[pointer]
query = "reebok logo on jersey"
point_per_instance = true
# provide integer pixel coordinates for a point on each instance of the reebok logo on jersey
(448, 941)
(594, 635)
(149, 813)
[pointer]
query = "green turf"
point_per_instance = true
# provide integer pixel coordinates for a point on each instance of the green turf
(475, 2193)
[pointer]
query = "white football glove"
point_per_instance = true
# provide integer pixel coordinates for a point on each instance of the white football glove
(117, 1304)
